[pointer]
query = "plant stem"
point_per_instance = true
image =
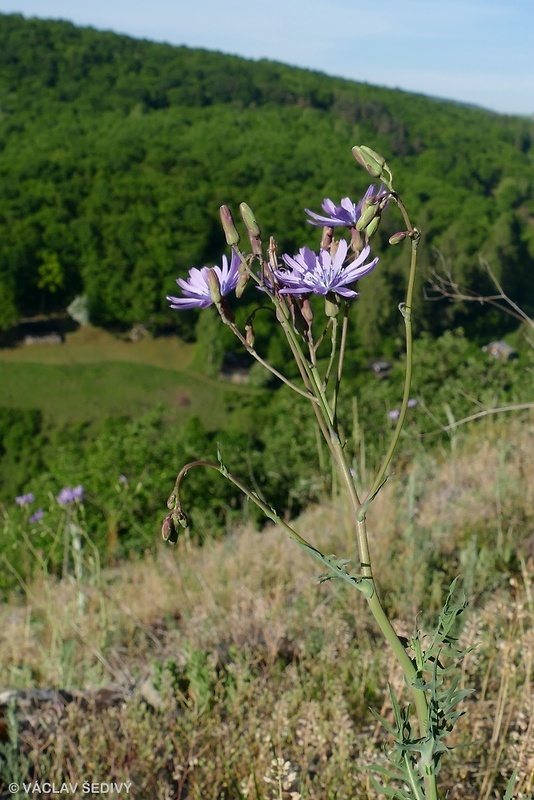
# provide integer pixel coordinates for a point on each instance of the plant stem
(406, 310)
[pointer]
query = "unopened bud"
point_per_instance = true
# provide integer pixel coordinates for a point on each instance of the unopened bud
(331, 306)
(398, 237)
(370, 160)
(242, 283)
(250, 220)
(306, 310)
(214, 286)
(249, 333)
(356, 241)
(372, 228)
(370, 211)
(230, 231)
(180, 517)
(168, 530)
(253, 229)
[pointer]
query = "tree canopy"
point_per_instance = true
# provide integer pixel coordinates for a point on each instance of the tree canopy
(116, 153)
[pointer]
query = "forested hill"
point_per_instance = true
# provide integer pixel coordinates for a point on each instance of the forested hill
(115, 155)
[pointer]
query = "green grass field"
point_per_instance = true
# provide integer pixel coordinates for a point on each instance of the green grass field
(95, 375)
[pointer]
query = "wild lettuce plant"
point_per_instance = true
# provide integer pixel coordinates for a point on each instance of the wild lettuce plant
(291, 285)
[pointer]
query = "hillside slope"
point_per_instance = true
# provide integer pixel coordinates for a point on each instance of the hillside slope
(116, 153)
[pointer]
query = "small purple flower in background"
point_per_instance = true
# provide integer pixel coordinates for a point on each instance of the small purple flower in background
(123, 479)
(25, 499)
(36, 516)
(70, 494)
(321, 274)
(394, 414)
(412, 402)
(196, 289)
(346, 213)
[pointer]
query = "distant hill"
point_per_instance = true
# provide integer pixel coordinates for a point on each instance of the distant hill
(115, 154)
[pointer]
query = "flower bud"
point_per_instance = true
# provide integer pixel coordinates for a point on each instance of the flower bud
(214, 286)
(370, 160)
(230, 231)
(249, 333)
(250, 220)
(241, 284)
(180, 517)
(398, 237)
(253, 229)
(356, 241)
(306, 310)
(372, 228)
(331, 305)
(370, 211)
(374, 164)
(168, 529)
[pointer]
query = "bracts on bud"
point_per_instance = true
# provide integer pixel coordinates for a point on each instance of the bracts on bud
(214, 287)
(373, 163)
(230, 231)
(253, 229)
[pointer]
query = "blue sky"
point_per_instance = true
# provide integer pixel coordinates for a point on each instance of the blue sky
(474, 51)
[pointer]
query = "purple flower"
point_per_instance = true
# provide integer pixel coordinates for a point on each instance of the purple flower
(36, 516)
(394, 414)
(196, 289)
(346, 213)
(70, 494)
(321, 274)
(25, 499)
(412, 402)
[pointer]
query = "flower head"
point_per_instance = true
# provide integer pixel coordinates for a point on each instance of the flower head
(321, 274)
(69, 494)
(36, 516)
(25, 499)
(196, 289)
(346, 213)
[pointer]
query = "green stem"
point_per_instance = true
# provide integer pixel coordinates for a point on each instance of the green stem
(174, 503)
(406, 310)
(333, 350)
(235, 330)
(341, 357)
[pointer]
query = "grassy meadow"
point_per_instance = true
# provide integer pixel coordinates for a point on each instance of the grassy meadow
(227, 670)
(95, 375)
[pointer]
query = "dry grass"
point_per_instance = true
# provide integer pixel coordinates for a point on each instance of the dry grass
(245, 678)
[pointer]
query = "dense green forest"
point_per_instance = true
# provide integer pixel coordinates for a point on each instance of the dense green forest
(115, 155)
